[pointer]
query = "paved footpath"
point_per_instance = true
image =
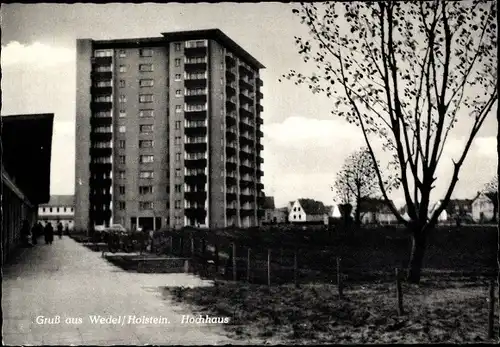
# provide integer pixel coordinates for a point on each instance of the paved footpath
(72, 282)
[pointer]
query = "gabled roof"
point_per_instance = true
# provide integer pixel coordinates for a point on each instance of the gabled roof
(61, 200)
(268, 203)
(375, 205)
(493, 196)
(312, 207)
(26, 153)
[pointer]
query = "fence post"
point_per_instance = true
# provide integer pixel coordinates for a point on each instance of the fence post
(192, 245)
(171, 244)
(295, 269)
(248, 265)
(269, 267)
(339, 279)
(399, 293)
(491, 309)
(234, 262)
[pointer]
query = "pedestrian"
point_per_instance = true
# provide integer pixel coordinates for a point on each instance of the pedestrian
(66, 230)
(34, 234)
(49, 233)
(25, 234)
(60, 230)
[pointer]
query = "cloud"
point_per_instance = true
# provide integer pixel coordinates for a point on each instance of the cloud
(36, 55)
(62, 161)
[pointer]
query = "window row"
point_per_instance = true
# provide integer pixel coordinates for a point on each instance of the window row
(143, 205)
(142, 68)
(143, 190)
(57, 209)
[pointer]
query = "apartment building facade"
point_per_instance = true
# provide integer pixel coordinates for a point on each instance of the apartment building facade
(168, 132)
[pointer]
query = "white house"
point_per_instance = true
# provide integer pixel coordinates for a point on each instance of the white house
(482, 208)
(59, 209)
(307, 211)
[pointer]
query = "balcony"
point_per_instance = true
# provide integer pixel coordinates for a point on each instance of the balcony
(260, 96)
(196, 95)
(97, 106)
(247, 112)
(198, 213)
(101, 136)
(246, 126)
(101, 75)
(231, 211)
(245, 155)
(195, 146)
(231, 119)
(195, 112)
(260, 121)
(246, 141)
(260, 108)
(260, 173)
(245, 198)
(96, 122)
(194, 79)
(195, 48)
(247, 212)
(195, 63)
(260, 133)
(100, 167)
(246, 99)
(196, 179)
(231, 134)
(260, 186)
(230, 60)
(100, 183)
(231, 181)
(247, 169)
(231, 196)
(100, 61)
(246, 183)
(101, 152)
(246, 83)
(260, 147)
(196, 128)
(230, 75)
(199, 196)
(199, 163)
(231, 165)
(231, 89)
(97, 90)
(260, 160)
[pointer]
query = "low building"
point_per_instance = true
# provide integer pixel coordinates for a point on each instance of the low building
(459, 208)
(26, 153)
(307, 211)
(374, 211)
(60, 209)
(483, 208)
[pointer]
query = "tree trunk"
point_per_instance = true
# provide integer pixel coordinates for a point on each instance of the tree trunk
(417, 254)
(357, 217)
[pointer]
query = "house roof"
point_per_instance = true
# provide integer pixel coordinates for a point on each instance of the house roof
(493, 196)
(268, 203)
(312, 207)
(26, 153)
(375, 205)
(455, 205)
(61, 200)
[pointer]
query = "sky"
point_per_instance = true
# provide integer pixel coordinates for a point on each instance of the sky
(304, 145)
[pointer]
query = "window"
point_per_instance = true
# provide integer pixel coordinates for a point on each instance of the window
(122, 53)
(143, 190)
(71, 209)
(123, 98)
(103, 98)
(145, 143)
(145, 205)
(123, 68)
(178, 93)
(177, 204)
(57, 209)
(177, 140)
(101, 84)
(178, 108)
(146, 174)
(177, 62)
(178, 76)
(121, 174)
(177, 46)
(121, 144)
(145, 67)
(146, 128)
(177, 157)
(122, 114)
(144, 98)
(121, 205)
(145, 113)
(122, 83)
(177, 124)
(121, 159)
(122, 129)
(146, 52)
(146, 159)
(178, 188)
(103, 53)
(121, 189)
(146, 82)
(50, 209)
(178, 173)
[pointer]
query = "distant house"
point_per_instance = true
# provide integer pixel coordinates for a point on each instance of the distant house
(60, 208)
(459, 207)
(307, 211)
(376, 211)
(483, 208)
(268, 206)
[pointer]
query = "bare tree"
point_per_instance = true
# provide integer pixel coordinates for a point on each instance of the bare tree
(357, 180)
(405, 72)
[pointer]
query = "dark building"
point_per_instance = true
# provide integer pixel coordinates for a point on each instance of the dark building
(168, 132)
(26, 153)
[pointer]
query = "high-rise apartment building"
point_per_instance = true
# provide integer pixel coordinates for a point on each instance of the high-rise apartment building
(168, 132)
